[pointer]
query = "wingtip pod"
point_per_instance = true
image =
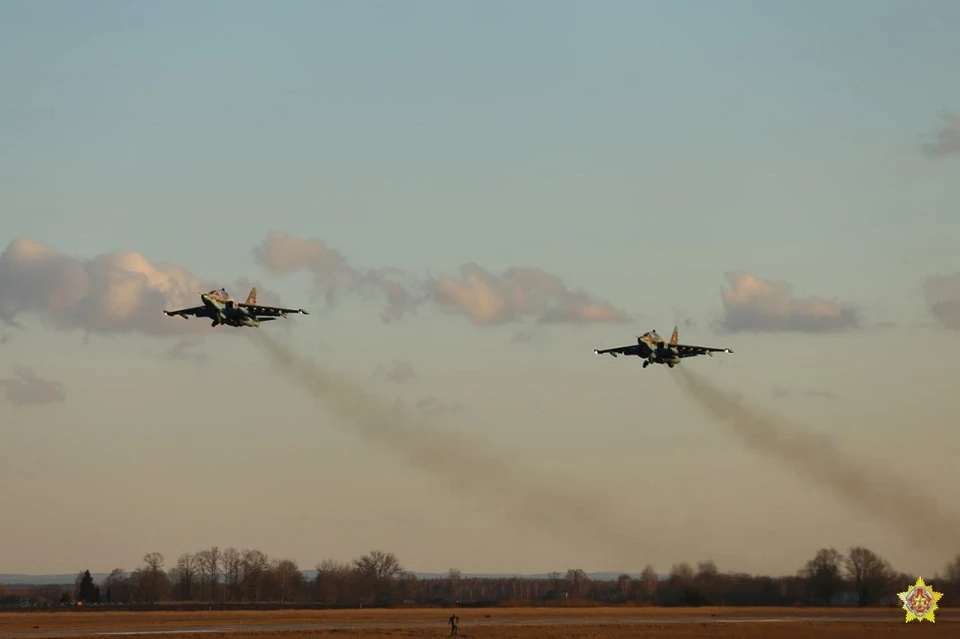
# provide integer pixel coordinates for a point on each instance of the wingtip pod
(304, 312)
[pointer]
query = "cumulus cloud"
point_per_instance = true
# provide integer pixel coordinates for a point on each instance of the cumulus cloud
(756, 305)
(399, 371)
(119, 292)
(943, 299)
(283, 254)
(112, 293)
(27, 388)
(265, 296)
(484, 297)
(946, 140)
(518, 293)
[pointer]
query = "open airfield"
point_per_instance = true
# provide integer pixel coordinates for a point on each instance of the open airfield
(500, 623)
(474, 221)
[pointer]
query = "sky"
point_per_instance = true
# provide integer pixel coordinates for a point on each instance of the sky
(469, 198)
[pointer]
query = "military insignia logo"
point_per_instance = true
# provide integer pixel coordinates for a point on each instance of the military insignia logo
(920, 602)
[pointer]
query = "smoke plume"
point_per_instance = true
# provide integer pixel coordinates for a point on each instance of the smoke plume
(943, 299)
(903, 503)
(584, 519)
(27, 388)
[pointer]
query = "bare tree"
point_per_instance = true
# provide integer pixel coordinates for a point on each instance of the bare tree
(213, 559)
(577, 579)
(116, 587)
(378, 570)
(649, 582)
(823, 576)
(289, 577)
(557, 579)
(870, 573)
(681, 574)
(455, 579)
(379, 577)
(331, 580)
(952, 571)
(407, 584)
(231, 562)
(155, 574)
(254, 563)
(707, 570)
(202, 567)
(378, 564)
(183, 574)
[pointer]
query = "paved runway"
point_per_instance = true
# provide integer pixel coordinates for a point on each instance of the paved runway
(564, 621)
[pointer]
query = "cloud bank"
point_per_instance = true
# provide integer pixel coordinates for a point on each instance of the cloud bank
(942, 293)
(946, 140)
(518, 293)
(756, 305)
(283, 254)
(485, 298)
(119, 292)
(27, 388)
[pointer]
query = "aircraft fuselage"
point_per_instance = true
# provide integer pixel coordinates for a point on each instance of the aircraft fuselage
(657, 353)
(228, 313)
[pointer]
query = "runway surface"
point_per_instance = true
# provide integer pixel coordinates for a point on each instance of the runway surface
(564, 621)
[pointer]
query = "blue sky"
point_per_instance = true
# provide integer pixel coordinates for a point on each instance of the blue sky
(636, 150)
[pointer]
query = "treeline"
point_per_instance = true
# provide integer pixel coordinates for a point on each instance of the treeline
(231, 577)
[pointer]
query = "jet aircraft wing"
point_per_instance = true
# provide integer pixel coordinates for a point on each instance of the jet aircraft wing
(270, 311)
(630, 349)
(686, 350)
(196, 311)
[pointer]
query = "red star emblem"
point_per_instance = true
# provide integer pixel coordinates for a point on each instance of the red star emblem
(920, 601)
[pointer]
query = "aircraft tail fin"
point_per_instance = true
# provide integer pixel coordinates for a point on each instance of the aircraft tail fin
(675, 336)
(252, 297)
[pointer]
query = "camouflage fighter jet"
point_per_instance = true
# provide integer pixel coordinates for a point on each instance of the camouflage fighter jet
(223, 309)
(653, 350)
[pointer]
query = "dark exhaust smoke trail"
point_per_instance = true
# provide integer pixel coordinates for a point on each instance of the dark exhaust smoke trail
(582, 519)
(904, 503)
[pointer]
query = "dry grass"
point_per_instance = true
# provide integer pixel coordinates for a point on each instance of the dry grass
(538, 623)
(823, 630)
